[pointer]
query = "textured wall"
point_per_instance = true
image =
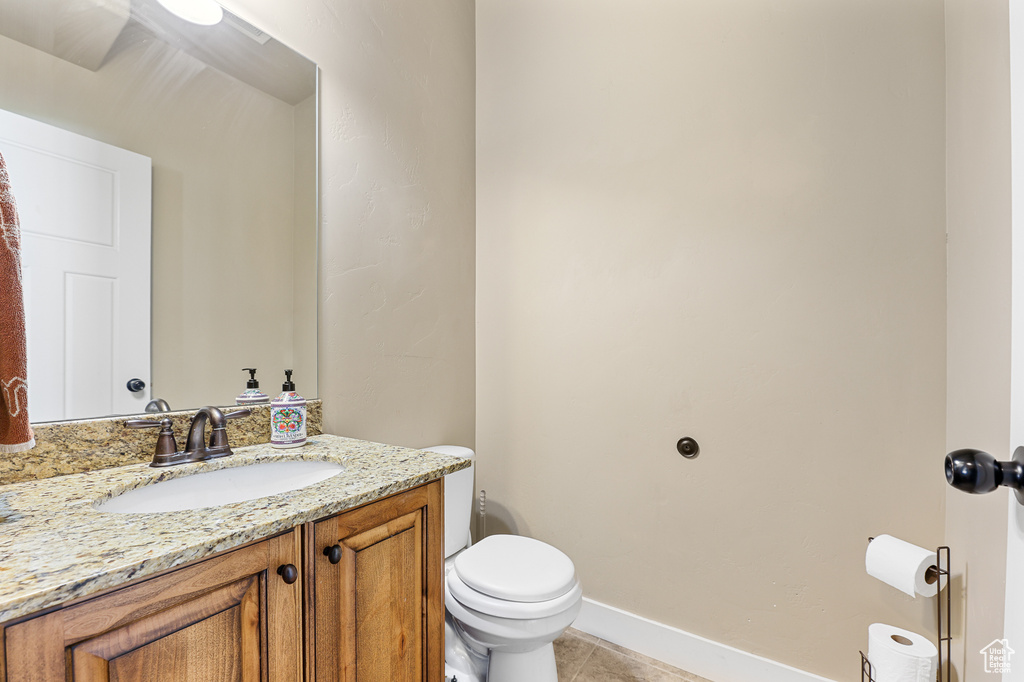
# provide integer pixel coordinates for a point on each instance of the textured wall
(723, 220)
(396, 339)
(978, 201)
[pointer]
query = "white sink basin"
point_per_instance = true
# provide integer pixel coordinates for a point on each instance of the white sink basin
(223, 486)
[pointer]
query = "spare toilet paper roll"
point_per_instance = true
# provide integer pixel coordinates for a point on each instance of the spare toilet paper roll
(898, 655)
(901, 565)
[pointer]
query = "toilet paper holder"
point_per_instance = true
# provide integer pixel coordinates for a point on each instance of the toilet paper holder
(945, 639)
(867, 673)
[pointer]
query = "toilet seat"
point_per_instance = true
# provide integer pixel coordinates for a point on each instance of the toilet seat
(513, 610)
(515, 577)
(516, 568)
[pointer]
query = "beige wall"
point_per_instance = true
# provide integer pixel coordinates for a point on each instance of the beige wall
(304, 252)
(979, 285)
(396, 339)
(722, 220)
(224, 254)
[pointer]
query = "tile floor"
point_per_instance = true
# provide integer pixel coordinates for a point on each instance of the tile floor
(584, 658)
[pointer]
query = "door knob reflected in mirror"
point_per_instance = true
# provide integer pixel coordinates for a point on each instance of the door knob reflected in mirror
(975, 471)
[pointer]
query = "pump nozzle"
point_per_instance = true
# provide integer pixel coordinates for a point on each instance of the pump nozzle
(288, 384)
(252, 383)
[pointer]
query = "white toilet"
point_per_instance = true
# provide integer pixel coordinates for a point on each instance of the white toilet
(507, 598)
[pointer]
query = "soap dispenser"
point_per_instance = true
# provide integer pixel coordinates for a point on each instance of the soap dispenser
(288, 416)
(252, 395)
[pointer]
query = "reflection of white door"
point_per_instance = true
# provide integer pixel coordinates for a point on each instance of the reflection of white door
(1013, 629)
(85, 211)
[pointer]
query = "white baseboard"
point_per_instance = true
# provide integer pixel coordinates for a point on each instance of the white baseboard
(689, 652)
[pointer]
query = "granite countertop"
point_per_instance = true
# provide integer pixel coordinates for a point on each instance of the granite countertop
(55, 547)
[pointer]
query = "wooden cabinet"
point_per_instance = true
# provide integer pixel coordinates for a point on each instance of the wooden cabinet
(375, 577)
(230, 617)
(371, 609)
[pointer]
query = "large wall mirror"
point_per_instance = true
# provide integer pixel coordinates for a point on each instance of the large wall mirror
(225, 117)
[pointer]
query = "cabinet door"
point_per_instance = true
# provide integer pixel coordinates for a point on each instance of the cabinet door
(226, 619)
(378, 613)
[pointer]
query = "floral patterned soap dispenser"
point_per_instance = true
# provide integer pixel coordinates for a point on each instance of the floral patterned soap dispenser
(288, 416)
(252, 394)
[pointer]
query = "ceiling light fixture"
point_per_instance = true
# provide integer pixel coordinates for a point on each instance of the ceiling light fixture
(202, 12)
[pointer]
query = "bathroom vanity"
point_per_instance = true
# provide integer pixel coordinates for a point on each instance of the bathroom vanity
(340, 580)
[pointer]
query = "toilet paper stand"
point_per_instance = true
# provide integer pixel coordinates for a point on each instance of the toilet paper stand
(936, 572)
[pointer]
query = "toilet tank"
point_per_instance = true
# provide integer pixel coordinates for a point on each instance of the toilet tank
(458, 500)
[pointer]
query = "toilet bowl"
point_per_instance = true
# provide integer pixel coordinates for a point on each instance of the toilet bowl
(507, 598)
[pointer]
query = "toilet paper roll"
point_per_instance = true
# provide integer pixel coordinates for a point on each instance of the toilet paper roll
(898, 655)
(901, 565)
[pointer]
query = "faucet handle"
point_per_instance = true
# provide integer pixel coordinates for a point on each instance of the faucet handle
(143, 423)
(165, 444)
(219, 436)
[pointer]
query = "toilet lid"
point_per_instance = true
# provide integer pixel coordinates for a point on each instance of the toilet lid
(516, 568)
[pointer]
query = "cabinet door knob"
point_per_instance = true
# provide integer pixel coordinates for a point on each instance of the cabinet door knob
(288, 573)
(333, 553)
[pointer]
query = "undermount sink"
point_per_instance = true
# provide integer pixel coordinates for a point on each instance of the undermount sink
(220, 487)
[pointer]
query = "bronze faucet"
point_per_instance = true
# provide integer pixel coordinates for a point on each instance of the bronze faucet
(196, 449)
(157, 405)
